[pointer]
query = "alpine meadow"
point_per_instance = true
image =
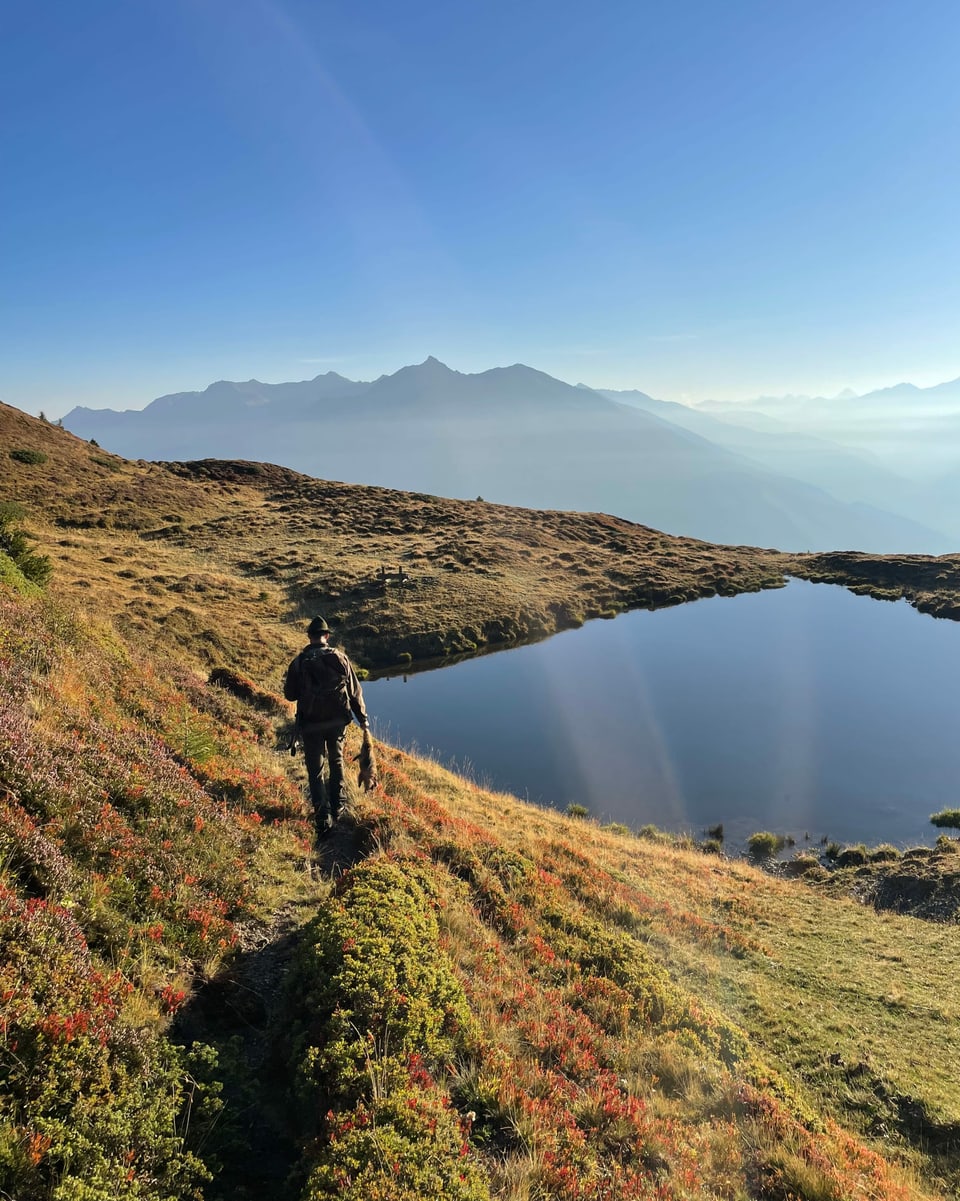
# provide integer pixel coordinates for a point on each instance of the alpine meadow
(460, 995)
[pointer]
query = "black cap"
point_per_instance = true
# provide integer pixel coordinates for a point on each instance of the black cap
(316, 627)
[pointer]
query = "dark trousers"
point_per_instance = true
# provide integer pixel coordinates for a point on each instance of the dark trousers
(321, 743)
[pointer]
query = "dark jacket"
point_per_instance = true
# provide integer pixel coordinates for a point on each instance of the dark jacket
(293, 685)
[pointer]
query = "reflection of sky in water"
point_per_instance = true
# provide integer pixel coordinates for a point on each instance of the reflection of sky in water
(803, 709)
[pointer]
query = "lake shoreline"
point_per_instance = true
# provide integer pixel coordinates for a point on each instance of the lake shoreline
(804, 710)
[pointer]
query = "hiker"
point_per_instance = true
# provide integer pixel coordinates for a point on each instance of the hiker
(322, 681)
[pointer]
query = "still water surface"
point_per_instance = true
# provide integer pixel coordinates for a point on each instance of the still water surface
(801, 710)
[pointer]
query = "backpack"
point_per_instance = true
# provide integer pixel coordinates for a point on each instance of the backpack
(324, 694)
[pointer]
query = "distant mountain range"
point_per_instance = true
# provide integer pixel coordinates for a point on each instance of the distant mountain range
(914, 431)
(519, 436)
(848, 401)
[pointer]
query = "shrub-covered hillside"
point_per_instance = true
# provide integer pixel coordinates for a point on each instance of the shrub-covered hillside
(489, 1001)
(137, 814)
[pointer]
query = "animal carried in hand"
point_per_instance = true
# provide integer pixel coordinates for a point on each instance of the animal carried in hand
(367, 759)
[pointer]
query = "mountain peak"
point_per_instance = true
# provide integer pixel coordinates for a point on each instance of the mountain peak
(430, 367)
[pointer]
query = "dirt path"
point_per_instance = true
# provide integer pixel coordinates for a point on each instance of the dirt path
(253, 1148)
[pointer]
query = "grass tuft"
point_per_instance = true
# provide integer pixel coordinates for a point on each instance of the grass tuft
(763, 844)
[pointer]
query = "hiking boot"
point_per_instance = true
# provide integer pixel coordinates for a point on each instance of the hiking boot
(324, 825)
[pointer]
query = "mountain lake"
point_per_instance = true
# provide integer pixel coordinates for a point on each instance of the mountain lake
(805, 710)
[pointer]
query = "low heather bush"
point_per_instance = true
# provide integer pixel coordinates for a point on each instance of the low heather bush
(33, 458)
(383, 1016)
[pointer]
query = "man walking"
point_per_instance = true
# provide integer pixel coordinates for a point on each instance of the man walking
(322, 681)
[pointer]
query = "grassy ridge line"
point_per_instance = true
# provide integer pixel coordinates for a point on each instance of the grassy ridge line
(480, 574)
(216, 560)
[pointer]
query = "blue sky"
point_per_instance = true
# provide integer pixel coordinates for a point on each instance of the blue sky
(689, 197)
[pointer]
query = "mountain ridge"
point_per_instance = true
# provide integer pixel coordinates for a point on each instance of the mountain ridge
(521, 437)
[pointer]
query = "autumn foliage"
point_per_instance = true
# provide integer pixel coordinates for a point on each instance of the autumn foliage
(486, 1004)
(129, 817)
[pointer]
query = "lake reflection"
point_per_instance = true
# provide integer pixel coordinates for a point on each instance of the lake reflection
(805, 709)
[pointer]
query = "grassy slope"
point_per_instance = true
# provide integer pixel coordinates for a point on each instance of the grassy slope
(620, 1017)
(835, 998)
(219, 559)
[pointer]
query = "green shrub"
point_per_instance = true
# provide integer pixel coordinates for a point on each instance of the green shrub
(577, 811)
(90, 1102)
(12, 577)
(33, 458)
(854, 856)
(374, 977)
(15, 544)
(763, 844)
(405, 1147)
(103, 461)
(946, 819)
(381, 1016)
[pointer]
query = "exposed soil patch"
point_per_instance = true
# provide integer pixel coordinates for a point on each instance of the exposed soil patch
(924, 883)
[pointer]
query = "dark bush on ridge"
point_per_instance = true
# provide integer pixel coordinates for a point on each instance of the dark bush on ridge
(33, 458)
